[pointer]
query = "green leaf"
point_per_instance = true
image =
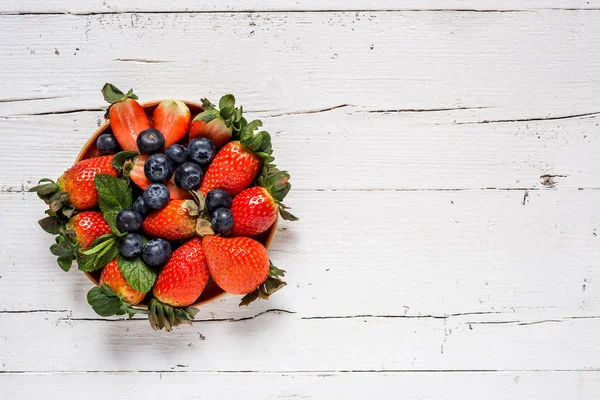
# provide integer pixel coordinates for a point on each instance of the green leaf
(206, 116)
(249, 298)
(106, 302)
(254, 142)
(121, 157)
(66, 251)
(165, 316)
(99, 254)
(52, 225)
(207, 105)
(136, 273)
(227, 101)
(113, 95)
(288, 216)
(266, 158)
(114, 196)
(57, 200)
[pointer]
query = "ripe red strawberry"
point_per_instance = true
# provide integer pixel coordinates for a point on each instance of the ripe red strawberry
(241, 266)
(88, 226)
(172, 119)
(75, 185)
(255, 209)
(237, 265)
(218, 124)
(126, 115)
(233, 169)
(76, 234)
(112, 276)
(184, 277)
(173, 222)
(136, 173)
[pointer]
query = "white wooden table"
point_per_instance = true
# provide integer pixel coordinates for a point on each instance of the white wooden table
(445, 158)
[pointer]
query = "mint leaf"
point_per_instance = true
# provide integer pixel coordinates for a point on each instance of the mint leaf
(106, 302)
(136, 273)
(101, 252)
(114, 196)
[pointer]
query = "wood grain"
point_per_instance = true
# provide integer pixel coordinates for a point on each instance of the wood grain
(257, 386)
(189, 6)
(377, 253)
(339, 150)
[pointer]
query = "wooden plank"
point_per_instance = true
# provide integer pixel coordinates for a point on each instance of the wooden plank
(258, 386)
(497, 66)
(338, 150)
(278, 342)
(376, 253)
(113, 6)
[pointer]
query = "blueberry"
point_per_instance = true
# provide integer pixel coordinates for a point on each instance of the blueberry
(217, 198)
(156, 252)
(222, 220)
(188, 176)
(129, 221)
(201, 151)
(158, 168)
(177, 153)
(140, 206)
(131, 245)
(156, 196)
(150, 141)
(107, 143)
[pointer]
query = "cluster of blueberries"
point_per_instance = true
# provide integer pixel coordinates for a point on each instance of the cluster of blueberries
(186, 164)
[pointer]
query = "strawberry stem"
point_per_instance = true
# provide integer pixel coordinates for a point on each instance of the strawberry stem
(272, 284)
(165, 316)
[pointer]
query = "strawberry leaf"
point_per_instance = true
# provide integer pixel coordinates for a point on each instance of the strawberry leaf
(113, 95)
(288, 216)
(227, 101)
(119, 160)
(51, 224)
(66, 251)
(272, 284)
(163, 316)
(136, 273)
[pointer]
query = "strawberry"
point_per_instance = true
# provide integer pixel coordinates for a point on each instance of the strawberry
(172, 119)
(241, 266)
(238, 163)
(126, 115)
(218, 124)
(173, 222)
(112, 276)
(135, 170)
(75, 186)
(88, 226)
(178, 285)
(78, 233)
(184, 277)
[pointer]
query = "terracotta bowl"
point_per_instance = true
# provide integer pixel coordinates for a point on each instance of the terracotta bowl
(212, 291)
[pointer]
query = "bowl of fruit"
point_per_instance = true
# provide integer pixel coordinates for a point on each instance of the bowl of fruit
(170, 204)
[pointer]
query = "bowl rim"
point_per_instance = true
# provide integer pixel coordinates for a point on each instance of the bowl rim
(91, 142)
